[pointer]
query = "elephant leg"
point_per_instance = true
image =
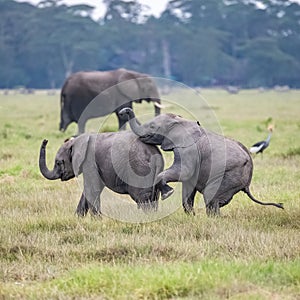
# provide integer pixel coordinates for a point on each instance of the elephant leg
(212, 205)
(178, 172)
(216, 197)
(169, 175)
(93, 185)
(188, 197)
(92, 195)
(82, 207)
(213, 209)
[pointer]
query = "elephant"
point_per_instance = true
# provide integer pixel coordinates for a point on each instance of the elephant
(117, 160)
(92, 94)
(214, 165)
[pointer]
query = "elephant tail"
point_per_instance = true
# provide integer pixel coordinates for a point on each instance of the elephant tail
(247, 191)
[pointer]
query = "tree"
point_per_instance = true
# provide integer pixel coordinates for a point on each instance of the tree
(241, 42)
(130, 11)
(267, 64)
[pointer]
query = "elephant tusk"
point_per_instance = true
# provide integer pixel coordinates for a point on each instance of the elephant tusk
(159, 105)
(69, 139)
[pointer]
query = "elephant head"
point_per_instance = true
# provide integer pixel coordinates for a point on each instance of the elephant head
(68, 160)
(168, 130)
(137, 86)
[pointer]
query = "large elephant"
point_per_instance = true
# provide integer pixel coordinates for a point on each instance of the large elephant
(117, 160)
(216, 166)
(109, 90)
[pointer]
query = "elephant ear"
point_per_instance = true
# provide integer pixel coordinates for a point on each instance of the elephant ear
(79, 151)
(180, 134)
(128, 85)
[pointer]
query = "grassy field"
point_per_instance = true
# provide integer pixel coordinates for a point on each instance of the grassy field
(250, 252)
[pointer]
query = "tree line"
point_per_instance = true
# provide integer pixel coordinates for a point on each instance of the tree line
(198, 42)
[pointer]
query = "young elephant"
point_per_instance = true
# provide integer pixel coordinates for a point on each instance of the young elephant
(216, 166)
(117, 160)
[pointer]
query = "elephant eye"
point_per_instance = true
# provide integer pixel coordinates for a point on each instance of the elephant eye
(152, 126)
(59, 162)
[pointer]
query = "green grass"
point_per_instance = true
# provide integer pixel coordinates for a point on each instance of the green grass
(250, 252)
(207, 279)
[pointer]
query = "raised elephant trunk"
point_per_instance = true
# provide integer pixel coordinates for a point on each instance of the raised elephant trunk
(128, 114)
(51, 175)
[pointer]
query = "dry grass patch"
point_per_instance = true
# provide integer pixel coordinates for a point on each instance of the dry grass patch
(251, 251)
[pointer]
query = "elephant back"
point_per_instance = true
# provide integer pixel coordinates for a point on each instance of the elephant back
(133, 162)
(140, 162)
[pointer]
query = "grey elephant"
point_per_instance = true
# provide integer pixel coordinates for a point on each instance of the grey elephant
(216, 166)
(117, 160)
(87, 95)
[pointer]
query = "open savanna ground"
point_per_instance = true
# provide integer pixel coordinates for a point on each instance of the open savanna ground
(250, 252)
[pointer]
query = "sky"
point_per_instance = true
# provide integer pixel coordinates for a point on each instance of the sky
(156, 6)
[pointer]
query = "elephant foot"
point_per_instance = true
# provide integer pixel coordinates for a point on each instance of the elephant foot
(95, 212)
(189, 211)
(166, 191)
(80, 214)
(213, 212)
(81, 211)
(96, 216)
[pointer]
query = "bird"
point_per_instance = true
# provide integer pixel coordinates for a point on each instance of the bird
(261, 146)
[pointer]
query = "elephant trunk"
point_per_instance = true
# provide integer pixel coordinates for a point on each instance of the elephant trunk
(51, 175)
(128, 114)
